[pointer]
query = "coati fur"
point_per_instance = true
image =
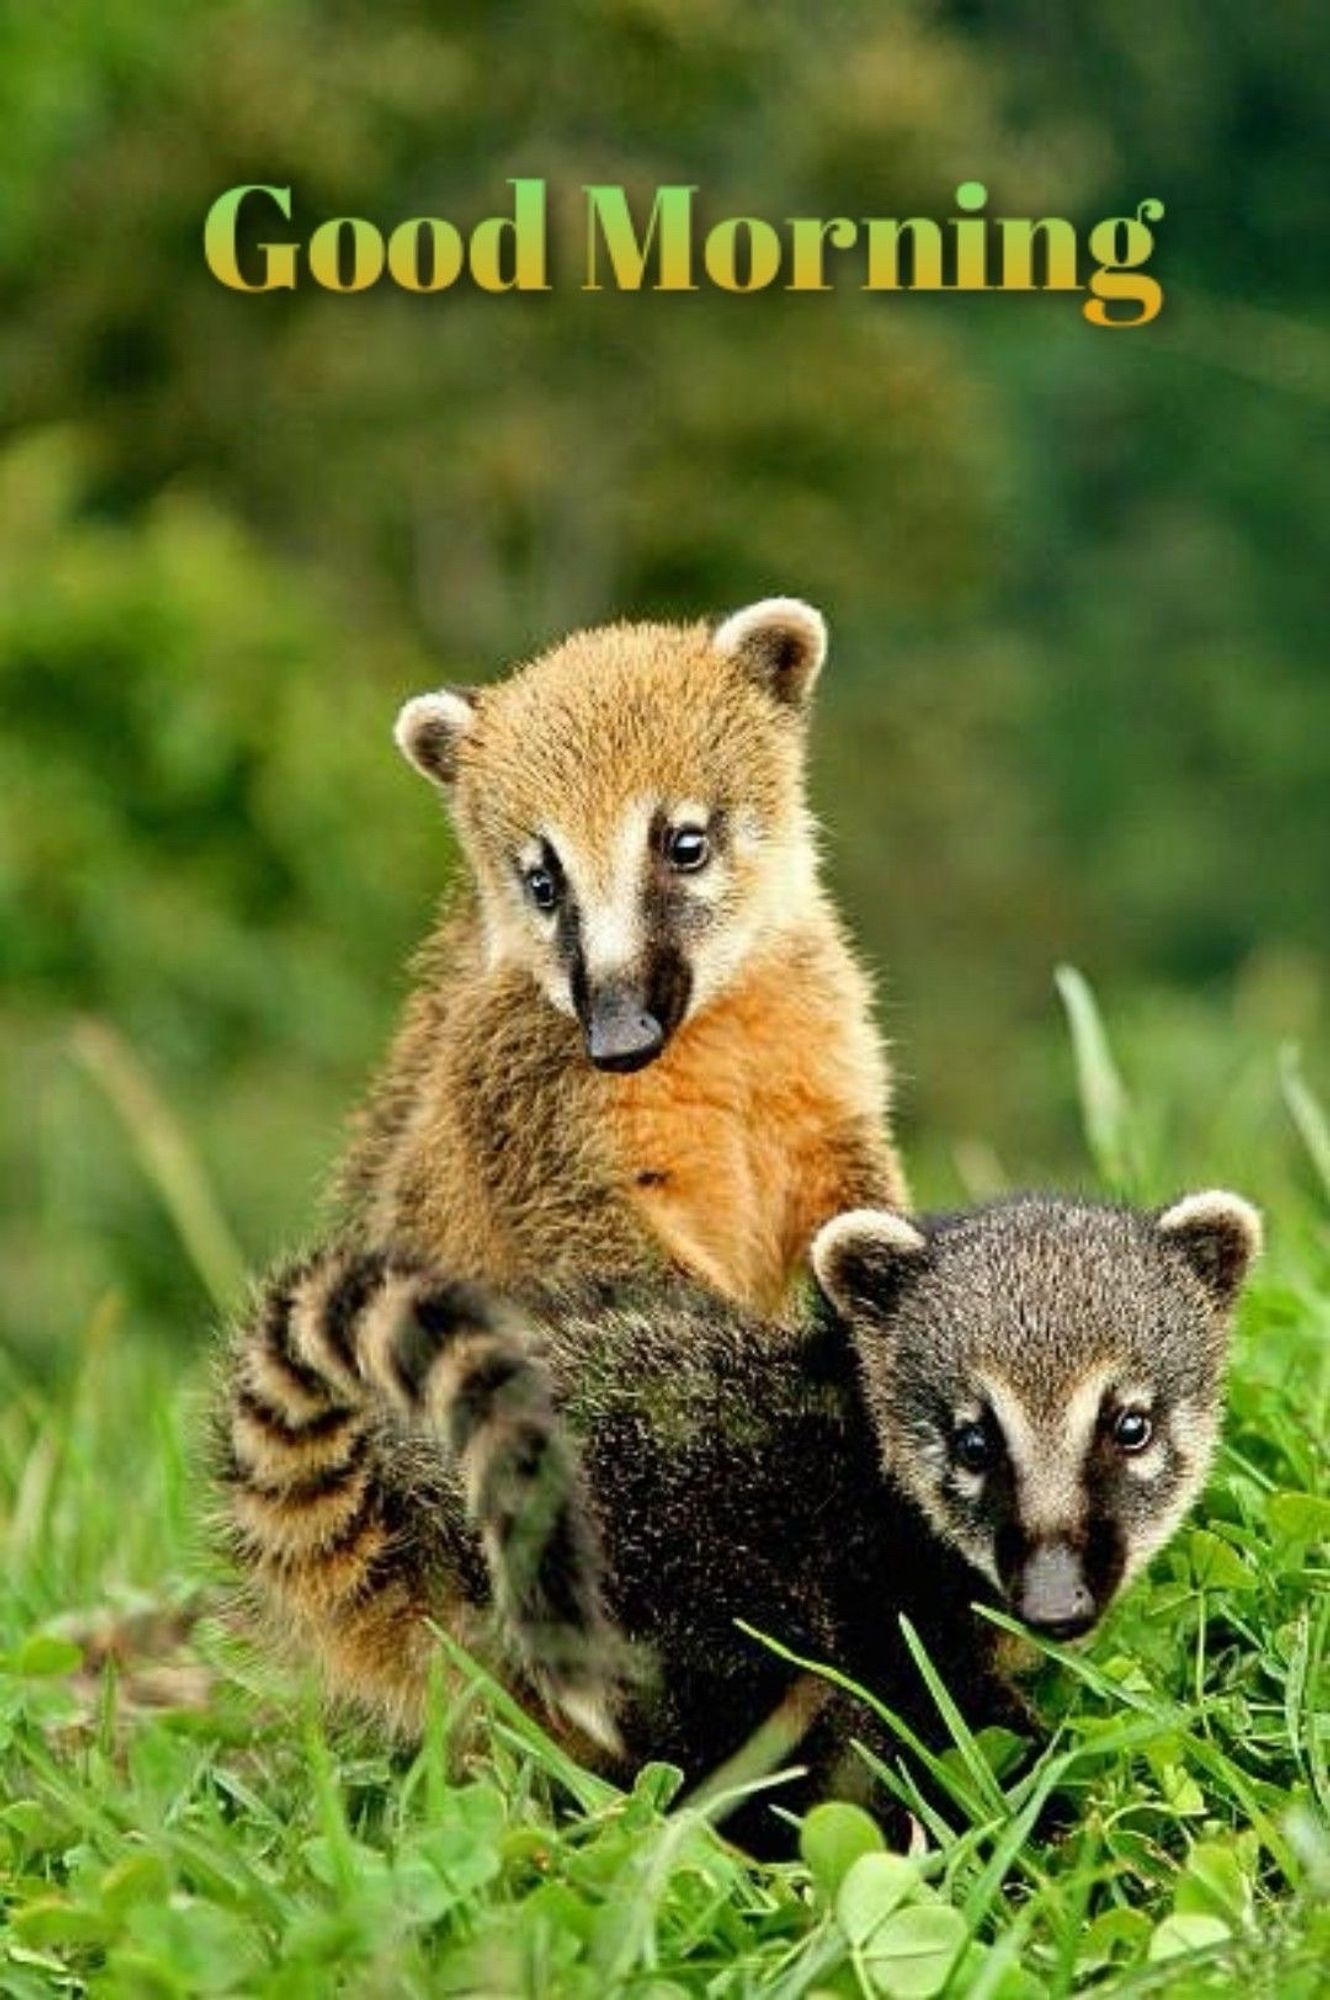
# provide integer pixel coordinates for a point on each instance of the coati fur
(643, 1040)
(1014, 1406)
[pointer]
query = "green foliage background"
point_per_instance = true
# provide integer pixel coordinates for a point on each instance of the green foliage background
(1077, 711)
(1078, 707)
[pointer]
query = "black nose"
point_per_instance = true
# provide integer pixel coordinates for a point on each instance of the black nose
(621, 1033)
(1052, 1596)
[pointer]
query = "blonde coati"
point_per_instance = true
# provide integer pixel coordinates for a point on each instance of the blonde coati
(644, 1041)
(1014, 1405)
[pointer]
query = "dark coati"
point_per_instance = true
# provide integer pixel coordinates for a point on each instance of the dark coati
(644, 1041)
(1014, 1405)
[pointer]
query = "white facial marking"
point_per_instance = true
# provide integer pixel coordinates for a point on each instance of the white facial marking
(1195, 1433)
(707, 886)
(612, 919)
(748, 830)
(689, 813)
(933, 1451)
(608, 891)
(1050, 1483)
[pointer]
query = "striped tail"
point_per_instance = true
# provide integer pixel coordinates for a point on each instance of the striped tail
(379, 1419)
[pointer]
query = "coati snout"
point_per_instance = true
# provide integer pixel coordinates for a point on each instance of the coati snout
(1049, 1591)
(628, 1021)
(622, 1034)
(1061, 1580)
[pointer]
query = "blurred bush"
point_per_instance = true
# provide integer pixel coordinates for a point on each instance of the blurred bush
(1077, 706)
(206, 839)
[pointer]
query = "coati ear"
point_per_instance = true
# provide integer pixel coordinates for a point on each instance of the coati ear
(1219, 1234)
(430, 728)
(780, 643)
(858, 1258)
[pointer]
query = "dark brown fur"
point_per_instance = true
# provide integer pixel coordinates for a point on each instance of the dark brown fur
(799, 1479)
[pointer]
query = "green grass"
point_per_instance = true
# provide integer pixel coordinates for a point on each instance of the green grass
(174, 1819)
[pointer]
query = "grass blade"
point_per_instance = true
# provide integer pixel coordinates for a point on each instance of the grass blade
(985, 1784)
(167, 1158)
(1307, 1112)
(1105, 1107)
(960, 1794)
(592, 1793)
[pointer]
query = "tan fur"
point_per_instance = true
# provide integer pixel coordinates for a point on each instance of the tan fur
(741, 1141)
(491, 1144)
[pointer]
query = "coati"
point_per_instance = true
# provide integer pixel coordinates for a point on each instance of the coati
(1014, 1405)
(643, 1042)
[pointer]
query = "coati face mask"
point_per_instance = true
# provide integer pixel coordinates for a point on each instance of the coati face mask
(1045, 1378)
(632, 804)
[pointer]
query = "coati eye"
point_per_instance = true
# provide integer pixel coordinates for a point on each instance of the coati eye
(1132, 1430)
(972, 1448)
(542, 888)
(687, 848)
